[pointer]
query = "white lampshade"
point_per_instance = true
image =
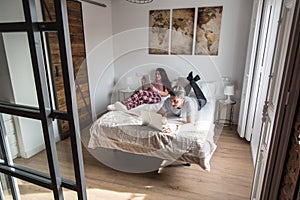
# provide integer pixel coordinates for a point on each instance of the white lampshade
(229, 91)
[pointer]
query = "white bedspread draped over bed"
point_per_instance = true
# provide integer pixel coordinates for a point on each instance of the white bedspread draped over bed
(124, 131)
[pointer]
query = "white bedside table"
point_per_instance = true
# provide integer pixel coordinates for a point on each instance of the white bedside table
(125, 93)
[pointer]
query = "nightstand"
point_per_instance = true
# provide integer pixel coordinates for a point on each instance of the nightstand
(225, 112)
(125, 93)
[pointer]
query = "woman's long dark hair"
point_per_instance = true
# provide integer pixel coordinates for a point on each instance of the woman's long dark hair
(164, 79)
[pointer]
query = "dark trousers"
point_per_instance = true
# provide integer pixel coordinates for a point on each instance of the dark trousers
(198, 92)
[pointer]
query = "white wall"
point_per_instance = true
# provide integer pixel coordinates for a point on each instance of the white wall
(11, 11)
(29, 132)
(97, 25)
(125, 25)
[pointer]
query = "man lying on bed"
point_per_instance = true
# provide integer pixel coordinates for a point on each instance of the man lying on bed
(184, 106)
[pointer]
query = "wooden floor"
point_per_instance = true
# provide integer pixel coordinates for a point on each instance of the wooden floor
(230, 176)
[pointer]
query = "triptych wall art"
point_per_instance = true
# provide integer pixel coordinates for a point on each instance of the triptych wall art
(178, 35)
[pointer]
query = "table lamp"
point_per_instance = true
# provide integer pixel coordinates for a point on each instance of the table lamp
(229, 91)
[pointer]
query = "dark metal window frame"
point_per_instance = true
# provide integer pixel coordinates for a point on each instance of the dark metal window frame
(45, 112)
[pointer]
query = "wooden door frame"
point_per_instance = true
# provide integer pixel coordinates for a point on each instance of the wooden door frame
(289, 94)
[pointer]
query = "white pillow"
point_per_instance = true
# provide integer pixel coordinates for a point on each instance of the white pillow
(182, 82)
(208, 89)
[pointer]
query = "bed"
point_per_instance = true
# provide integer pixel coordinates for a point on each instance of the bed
(124, 131)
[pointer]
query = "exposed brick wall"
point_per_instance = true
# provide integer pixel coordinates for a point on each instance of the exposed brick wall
(79, 64)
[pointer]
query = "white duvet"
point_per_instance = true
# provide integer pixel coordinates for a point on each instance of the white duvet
(125, 131)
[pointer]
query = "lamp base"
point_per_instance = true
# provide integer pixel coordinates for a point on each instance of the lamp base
(228, 100)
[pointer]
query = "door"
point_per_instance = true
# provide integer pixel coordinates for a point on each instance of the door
(263, 70)
(250, 68)
(261, 67)
(269, 95)
(258, 61)
(264, 41)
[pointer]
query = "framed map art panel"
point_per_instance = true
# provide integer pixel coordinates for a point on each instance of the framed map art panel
(182, 31)
(208, 30)
(159, 31)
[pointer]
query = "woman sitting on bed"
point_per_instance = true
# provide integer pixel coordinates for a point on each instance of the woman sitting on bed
(184, 106)
(146, 95)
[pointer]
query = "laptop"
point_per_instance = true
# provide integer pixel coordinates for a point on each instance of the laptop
(154, 120)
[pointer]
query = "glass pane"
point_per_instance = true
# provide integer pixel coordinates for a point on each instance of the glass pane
(70, 194)
(5, 187)
(16, 78)
(11, 11)
(11, 135)
(27, 147)
(55, 70)
(65, 159)
(29, 191)
(79, 62)
(45, 10)
(26, 142)
(80, 74)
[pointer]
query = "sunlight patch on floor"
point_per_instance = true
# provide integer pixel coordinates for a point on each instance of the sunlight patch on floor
(108, 194)
(98, 194)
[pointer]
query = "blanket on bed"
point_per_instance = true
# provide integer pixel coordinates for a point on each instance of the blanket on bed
(125, 131)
